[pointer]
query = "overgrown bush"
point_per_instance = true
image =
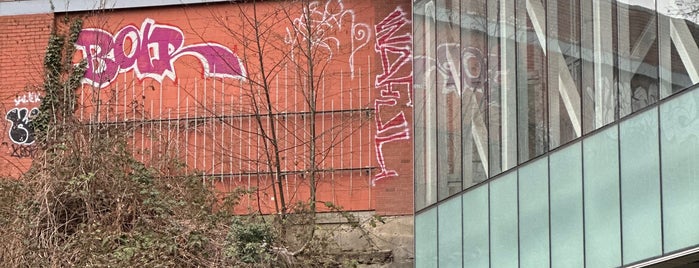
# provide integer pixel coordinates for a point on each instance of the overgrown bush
(87, 202)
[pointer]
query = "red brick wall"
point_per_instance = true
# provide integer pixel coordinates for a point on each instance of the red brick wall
(192, 102)
(22, 45)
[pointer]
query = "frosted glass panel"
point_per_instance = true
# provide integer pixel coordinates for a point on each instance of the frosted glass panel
(566, 207)
(475, 218)
(601, 186)
(450, 233)
(679, 125)
(503, 221)
(426, 239)
(640, 187)
(534, 214)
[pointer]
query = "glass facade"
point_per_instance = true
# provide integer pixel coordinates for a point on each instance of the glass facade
(555, 133)
(618, 196)
(500, 82)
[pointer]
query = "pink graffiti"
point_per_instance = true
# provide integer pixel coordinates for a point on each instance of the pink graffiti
(152, 52)
(387, 42)
(395, 52)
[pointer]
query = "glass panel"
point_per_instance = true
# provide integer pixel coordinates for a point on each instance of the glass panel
(566, 207)
(419, 87)
(426, 238)
(678, 37)
(450, 233)
(565, 70)
(640, 182)
(600, 100)
(475, 218)
(503, 221)
(679, 125)
(473, 99)
(502, 102)
(601, 188)
(531, 79)
(448, 99)
(425, 64)
(587, 27)
(534, 214)
(638, 55)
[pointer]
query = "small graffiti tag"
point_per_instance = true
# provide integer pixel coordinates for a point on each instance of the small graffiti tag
(22, 130)
(23, 151)
(30, 97)
(150, 51)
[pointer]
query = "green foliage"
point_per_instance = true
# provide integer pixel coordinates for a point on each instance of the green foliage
(87, 202)
(250, 240)
(62, 78)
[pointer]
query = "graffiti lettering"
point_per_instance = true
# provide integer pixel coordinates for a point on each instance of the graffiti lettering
(378, 143)
(388, 43)
(31, 97)
(23, 151)
(150, 51)
(395, 50)
(397, 121)
(471, 76)
(322, 20)
(22, 129)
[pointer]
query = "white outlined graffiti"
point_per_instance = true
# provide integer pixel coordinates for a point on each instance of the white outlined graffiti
(30, 97)
(22, 129)
(154, 48)
(322, 20)
(395, 52)
(471, 76)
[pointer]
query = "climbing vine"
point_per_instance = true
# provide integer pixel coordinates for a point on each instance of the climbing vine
(62, 79)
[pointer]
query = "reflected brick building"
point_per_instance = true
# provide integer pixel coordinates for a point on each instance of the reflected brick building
(556, 133)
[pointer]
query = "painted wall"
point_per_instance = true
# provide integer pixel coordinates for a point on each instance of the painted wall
(181, 80)
(22, 44)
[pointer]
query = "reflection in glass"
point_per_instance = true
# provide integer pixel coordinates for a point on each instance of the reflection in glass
(638, 55)
(678, 35)
(473, 100)
(587, 26)
(425, 88)
(604, 94)
(565, 66)
(419, 88)
(502, 104)
(531, 79)
(448, 98)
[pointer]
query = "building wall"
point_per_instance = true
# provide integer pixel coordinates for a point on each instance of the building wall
(181, 79)
(554, 133)
(620, 196)
(23, 41)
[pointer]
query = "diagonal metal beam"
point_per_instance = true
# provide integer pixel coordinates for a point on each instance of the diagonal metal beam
(686, 47)
(567, 88)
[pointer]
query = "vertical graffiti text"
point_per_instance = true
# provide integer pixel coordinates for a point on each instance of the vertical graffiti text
(395, 51)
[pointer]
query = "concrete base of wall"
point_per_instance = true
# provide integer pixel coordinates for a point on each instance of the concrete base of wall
(376, 244)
